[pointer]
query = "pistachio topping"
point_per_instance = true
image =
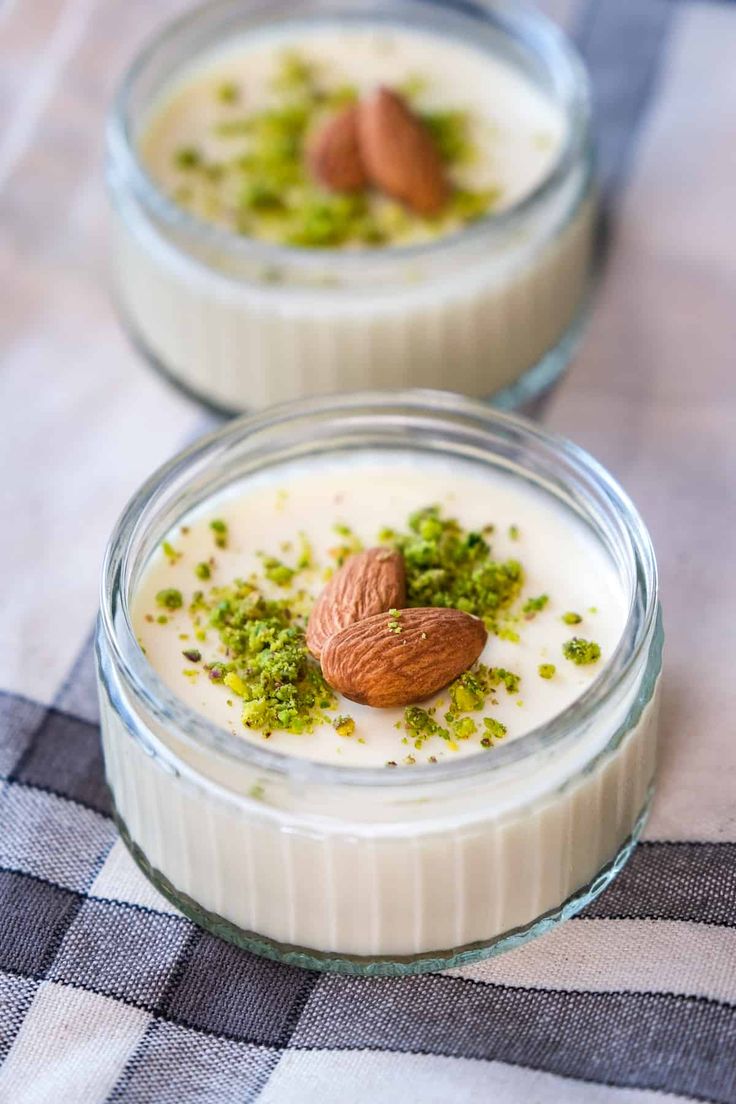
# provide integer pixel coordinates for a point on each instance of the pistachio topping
(252, 174)
(268, 665)
(249, 635)
(447, 565)
(581, 651)
(170, 598)
(535, 605)
(219, 528)
(344, 725)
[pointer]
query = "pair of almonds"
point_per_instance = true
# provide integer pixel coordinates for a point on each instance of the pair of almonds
(381, 659)
(381, 141)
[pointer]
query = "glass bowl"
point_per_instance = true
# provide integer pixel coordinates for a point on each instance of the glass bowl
(493, 311)
(364, 870)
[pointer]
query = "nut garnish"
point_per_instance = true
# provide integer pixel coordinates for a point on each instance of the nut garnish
(334, 154)
(400, 154)
(371, 663)
(369, 582)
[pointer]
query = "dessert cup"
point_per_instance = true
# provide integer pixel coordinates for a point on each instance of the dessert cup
(493, 310)
(361, 869)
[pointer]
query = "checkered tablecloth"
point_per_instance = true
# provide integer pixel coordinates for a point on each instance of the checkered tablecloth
(106, 993)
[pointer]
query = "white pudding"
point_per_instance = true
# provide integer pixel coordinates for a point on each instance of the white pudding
(347, 848)
(248, 286)
(275, 514)
(513, 132)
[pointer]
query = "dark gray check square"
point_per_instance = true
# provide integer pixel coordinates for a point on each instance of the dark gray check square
(33, 919)
(231, 992)
(66, 757)
(217, 1070)
(19, 720)
(16, 995)
(51, 837)
(121, 950)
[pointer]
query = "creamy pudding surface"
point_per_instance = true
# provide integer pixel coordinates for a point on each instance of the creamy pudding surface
(560, 604)
(227, 139)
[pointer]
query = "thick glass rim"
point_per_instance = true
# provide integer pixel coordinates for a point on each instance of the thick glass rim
(511, 17)
(443, 417)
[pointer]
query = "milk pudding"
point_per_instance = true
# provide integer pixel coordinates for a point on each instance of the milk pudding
(526, 567)
(379, 681)
(323, 199)
(230, 142)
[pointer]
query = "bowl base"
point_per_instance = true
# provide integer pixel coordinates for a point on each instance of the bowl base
(383, 965)
(529, 394)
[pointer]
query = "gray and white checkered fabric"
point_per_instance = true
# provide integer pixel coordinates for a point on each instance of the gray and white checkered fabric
(106, 992)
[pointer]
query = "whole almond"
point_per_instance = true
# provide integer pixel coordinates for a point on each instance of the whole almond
(370, 582)
(334, 155)
(389, 661)
(400, 154)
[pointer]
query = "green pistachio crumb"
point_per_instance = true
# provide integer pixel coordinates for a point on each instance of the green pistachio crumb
(514, 532)
(170, 552)
(192, 654)
(449, 566)
(170, 598)
(581, 651)
(449, 129)
(414, 85)
(495, 729)
(471, 690)
(279, 573)
(571, 618)
(394, 622)
(469, 206)
(341, 96)
(546, 670)
(464, 728)
(203, 570)
(421, 725)
(219, 528)
(344, 725)
(534, 605)
(351, 544)
(306, 554)
(268, 665)
(228, 92)
(187, 157)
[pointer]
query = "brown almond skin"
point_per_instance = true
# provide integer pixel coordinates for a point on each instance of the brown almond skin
(369, 582)
(399, 153)
(334, 156)
(370, 664)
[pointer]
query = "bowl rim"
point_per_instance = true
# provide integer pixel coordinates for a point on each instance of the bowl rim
(432, 412)
(512, 17)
